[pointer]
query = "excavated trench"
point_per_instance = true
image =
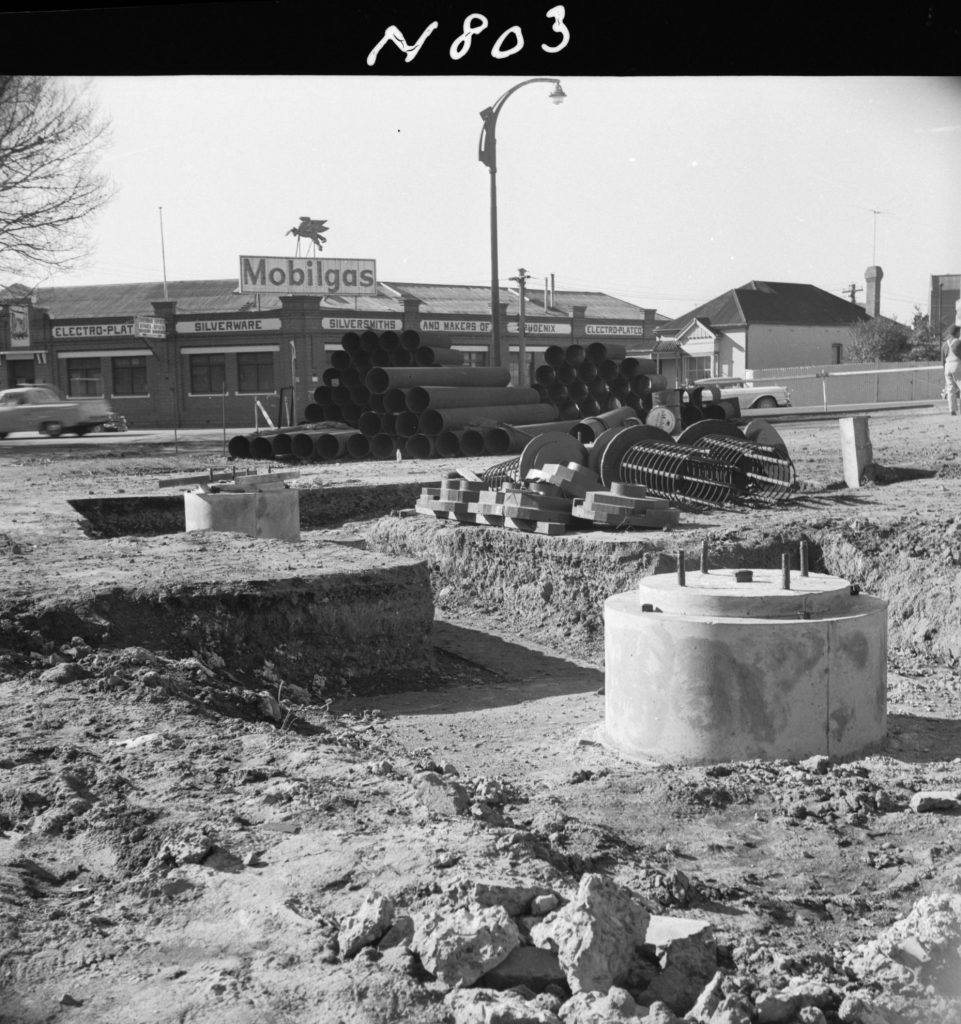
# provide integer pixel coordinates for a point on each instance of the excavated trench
(368, 629)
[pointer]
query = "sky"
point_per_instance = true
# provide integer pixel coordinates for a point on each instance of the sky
(662, 191)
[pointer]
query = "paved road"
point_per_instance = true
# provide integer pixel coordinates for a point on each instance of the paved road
(783, 419)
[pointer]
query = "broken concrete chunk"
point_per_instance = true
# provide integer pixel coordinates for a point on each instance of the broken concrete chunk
(485, 1006)
(441, 796)
(858, 1010)
(541, 905)
(370, 923)
(463, 944)
(66, 672)
(615, 1006)
(709, 999)
(526, 965)
(687, 954)
(596, 935)
(943, 800)
(515, 899)
(400, 934)
(732, 1010)
(922, 947)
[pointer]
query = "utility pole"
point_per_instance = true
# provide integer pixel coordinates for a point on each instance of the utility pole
(521, 279)
(853, 288)
(874, 248)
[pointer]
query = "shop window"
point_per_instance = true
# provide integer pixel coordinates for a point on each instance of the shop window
(84, 378)
(476, 359)
(255, 373)
(207, 374)
(129, 375)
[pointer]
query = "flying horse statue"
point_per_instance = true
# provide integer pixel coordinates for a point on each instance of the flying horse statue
(312, 229)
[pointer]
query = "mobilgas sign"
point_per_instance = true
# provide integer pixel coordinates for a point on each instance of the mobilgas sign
(307, 276)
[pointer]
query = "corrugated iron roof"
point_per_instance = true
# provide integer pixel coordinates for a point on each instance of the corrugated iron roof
(222, 296)
(108, 300)
(771, 302)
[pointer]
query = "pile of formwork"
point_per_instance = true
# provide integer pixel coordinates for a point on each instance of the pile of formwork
(393, 394)
(552, 500)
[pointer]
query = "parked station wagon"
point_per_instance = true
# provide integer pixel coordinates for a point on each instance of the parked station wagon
(750, 394)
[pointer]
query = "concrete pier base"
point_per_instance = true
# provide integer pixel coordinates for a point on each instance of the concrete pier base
(717, 670)
(272, 514)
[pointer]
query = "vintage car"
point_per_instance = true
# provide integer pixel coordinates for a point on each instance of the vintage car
(750, 394)
(43, 408)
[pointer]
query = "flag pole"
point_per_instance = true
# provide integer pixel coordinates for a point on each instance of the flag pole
(163, 255)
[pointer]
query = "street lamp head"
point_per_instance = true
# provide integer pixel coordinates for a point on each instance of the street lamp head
(558, 95)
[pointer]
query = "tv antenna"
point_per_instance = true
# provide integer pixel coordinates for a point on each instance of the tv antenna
(874, 247)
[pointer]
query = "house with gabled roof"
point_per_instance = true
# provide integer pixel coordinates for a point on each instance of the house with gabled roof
(760, 325)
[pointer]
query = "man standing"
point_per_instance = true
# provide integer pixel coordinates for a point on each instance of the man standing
(951, 354)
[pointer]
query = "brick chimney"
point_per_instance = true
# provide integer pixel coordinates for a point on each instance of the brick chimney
(872, 296)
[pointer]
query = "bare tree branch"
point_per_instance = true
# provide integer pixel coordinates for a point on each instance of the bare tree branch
(50, 188)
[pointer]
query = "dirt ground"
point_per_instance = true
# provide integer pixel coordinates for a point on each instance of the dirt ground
(175, 849)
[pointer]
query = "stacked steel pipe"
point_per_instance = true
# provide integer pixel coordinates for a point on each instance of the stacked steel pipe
(391, 393)
(587, 380)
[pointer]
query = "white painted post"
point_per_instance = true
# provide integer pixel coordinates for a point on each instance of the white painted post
(856, 453)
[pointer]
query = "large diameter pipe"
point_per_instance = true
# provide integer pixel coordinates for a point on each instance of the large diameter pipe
(369, 340)
(383, 446)
(238, 447)
(382, 378)
(395, 399)
(575, 355)
(358, 446)
(406, 424)
(302, 444)
(600, 351)
(280, 444)
(421, 399)
(261, 448)
(631, 367)
(507, 440)
(413, 340)
(431, 355)
(332, 444)
(589, 430)
(450, 443)
(472, 442)
(433, 421)
(370, 423)
(419, 446)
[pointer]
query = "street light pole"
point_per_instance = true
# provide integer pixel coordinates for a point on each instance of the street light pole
(487, 154)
